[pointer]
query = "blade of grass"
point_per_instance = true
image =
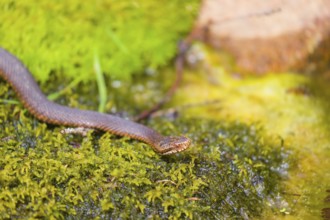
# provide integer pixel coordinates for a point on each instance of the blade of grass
(7, 101)
(100, 83)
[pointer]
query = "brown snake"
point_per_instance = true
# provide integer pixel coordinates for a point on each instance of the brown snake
(18, 76)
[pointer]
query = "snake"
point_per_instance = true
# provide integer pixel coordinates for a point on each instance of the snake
(14, 72)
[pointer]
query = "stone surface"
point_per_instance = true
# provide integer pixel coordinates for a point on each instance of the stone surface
(271, 35)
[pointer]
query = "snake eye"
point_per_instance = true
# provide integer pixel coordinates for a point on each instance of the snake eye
(174, 144)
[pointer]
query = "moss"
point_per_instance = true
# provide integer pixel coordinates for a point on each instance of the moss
(63, 38)
(229, 172)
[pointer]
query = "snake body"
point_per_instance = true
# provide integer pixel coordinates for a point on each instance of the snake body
(28, 91)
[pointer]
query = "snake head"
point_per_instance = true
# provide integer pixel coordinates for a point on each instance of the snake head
(173, 144)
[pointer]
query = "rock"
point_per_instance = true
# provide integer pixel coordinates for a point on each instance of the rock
(272, 35)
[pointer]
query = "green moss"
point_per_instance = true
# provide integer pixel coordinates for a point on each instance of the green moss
(63, 37)
(229, 172)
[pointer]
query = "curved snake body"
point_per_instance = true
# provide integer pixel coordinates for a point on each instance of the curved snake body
(28, 91)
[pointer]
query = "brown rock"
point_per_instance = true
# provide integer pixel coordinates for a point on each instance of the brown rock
(271, 35)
